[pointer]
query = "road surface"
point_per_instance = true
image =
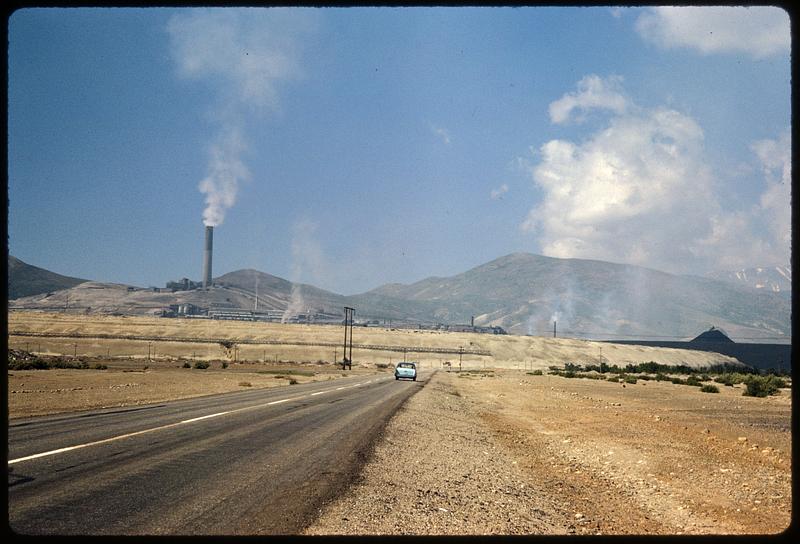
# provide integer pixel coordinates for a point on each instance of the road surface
(244, 463)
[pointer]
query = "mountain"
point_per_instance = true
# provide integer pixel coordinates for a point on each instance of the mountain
(525, 293)
(25, 279)
(521, 292)
(276, 293)
(777, 279)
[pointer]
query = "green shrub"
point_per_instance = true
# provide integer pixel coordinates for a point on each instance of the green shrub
(613, 379)
(777, 381)
(630, 379)
(708, 388)
(678, 381)
(224, 364)
(662, 378)
(245, 384)
(187, 365)
(292, 381)
(535, 373)
(99, 366)
(761, 386)
(32, 364)
(201, 365)
(692, 380)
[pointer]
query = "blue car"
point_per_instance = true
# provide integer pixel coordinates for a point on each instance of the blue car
(405, 370)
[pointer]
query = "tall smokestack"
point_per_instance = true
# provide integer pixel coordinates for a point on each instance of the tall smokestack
(207, 256)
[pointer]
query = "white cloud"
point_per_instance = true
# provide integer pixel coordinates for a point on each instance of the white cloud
(442, 133)
(499, 192)
(758, 31)
(775, 203)
(593, 92)
(640, 191)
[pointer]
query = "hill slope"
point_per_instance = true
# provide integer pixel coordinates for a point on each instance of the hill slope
(525, 293)
(777, 279)
(26, 280)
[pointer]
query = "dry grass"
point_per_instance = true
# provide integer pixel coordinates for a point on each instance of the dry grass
(506, 351)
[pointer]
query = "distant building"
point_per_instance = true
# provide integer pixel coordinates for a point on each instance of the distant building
(183, 284)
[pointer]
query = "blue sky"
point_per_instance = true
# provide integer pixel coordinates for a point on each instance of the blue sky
(353, 147)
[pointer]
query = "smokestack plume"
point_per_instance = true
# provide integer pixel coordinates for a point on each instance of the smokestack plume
(207, 256)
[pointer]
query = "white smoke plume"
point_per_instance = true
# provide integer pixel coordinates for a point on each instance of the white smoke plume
(309, 260)
(243, 54)
(226, 171)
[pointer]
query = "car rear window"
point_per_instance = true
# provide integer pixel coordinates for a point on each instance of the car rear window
(406, 365)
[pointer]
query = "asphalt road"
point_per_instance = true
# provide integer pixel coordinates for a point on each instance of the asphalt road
(244, 463)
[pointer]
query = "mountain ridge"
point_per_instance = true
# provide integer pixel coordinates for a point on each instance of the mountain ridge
(521, 292)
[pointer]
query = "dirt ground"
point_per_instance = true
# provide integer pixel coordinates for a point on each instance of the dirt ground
(510, 453)
(133, 382)
(475, 452)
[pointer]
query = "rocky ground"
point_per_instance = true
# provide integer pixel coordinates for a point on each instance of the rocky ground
(511, 453)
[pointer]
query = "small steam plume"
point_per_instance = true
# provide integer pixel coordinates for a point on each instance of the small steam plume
(307, 258)
(296, 303)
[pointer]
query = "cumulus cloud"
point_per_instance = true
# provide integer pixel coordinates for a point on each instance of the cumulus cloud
(499, 192)
(775, 203)
(593, 92)
(243, 55)
(757, 31)
(640, 191)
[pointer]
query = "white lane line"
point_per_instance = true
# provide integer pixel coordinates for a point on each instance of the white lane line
(162, 427)
(204, 417)
(339, 388)
(137, 433)
(62, 450)
(277, 402)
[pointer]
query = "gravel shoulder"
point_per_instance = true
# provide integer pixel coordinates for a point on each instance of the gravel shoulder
(505, 452)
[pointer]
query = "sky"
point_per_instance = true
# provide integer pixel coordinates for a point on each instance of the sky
(352, 147)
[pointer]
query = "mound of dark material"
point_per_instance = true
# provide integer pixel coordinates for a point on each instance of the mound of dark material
(712, 335)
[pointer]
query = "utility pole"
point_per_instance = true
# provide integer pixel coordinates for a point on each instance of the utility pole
(75, 353)
(347, 361)
(460, 353)
(554, 329)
